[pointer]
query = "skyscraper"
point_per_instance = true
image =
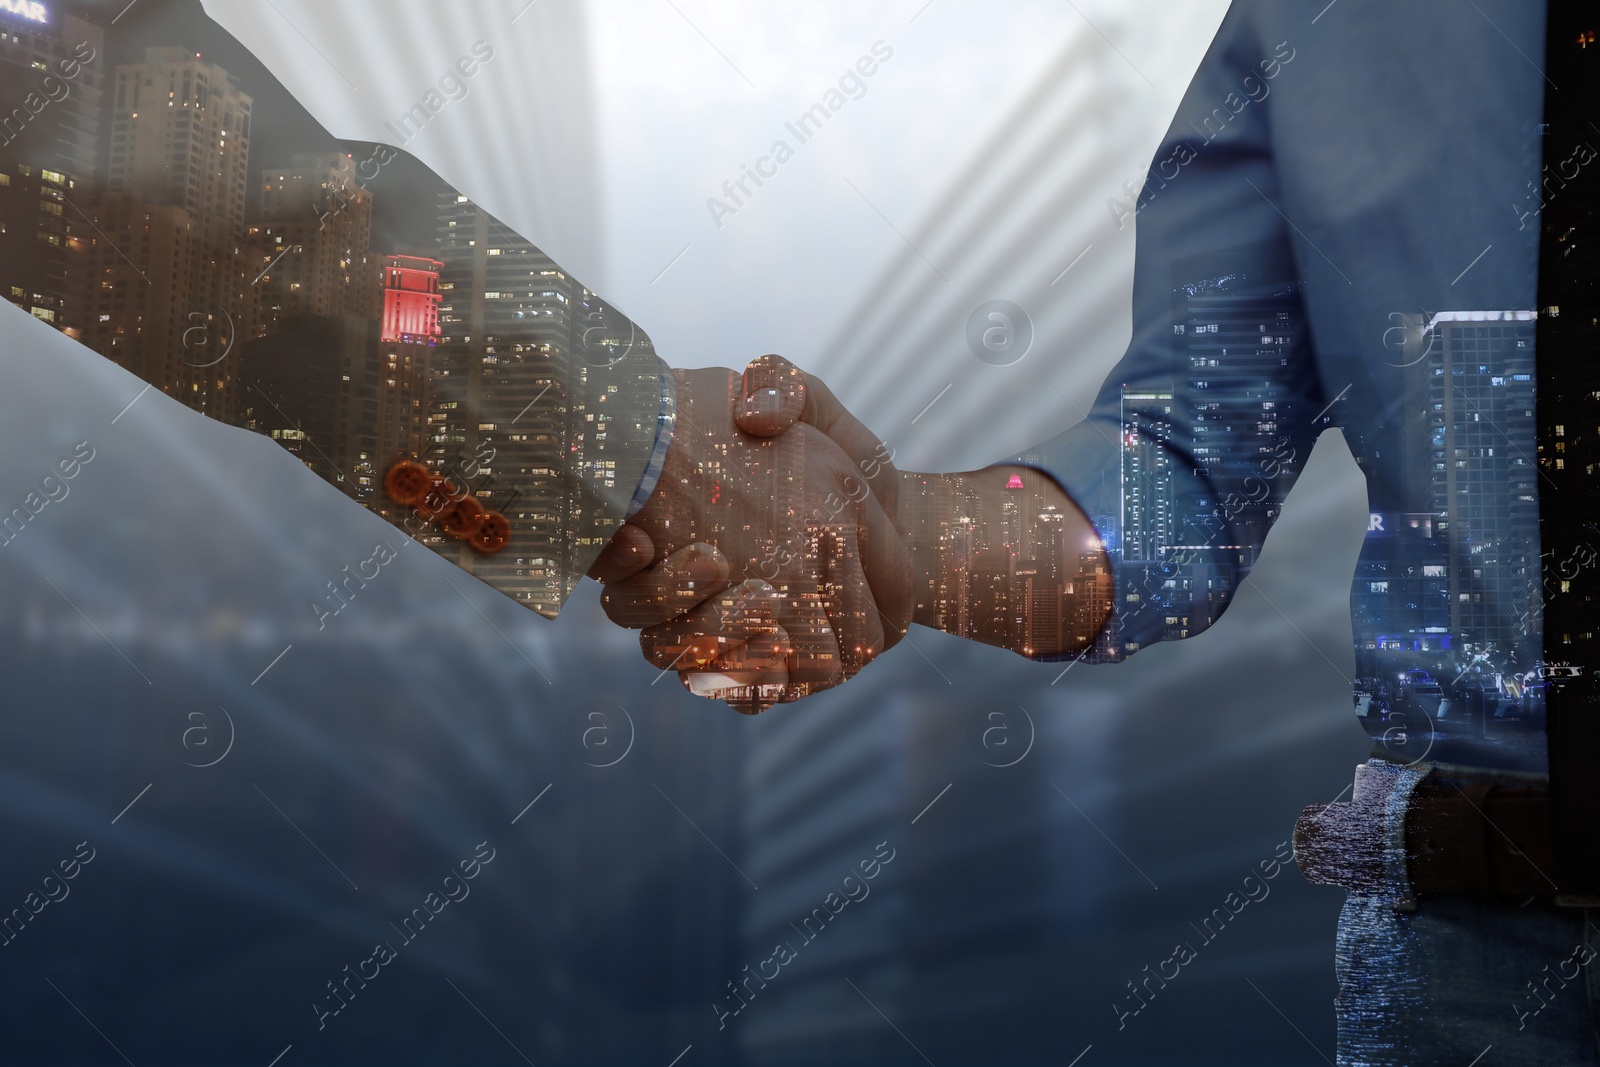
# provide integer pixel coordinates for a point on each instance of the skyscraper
(309, 249)
(994, 603)
(505, 316)
(1235, 336)
(524, 372)
(180, 135)
(408, 332)
(164, 262)
(50, 81)
(411, 298)
(1149, 517)
(1478, 453)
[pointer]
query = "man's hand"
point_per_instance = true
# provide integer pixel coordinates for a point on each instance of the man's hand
(1003, 555)
(763, 567)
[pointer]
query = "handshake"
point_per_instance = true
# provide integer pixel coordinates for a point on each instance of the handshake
(781, 551)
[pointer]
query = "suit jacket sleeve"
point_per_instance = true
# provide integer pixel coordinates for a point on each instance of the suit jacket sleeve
(1197, 435)
(336, 296)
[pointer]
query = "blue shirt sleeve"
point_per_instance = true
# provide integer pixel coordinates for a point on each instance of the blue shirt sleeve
(666, 422)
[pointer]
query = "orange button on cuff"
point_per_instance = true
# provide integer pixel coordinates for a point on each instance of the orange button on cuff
(462, 519)
(459, 515)
(407, 482)
(492, 534)
(439, 498)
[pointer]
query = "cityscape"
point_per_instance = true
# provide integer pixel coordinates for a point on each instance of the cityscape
(1446, 602)
(997, 565)
(140, 219)
(137, 217)
(274, 290)
(624, 899)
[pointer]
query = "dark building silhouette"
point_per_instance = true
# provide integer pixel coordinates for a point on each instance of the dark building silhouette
(309, 248)
(51, 69)
(312, 385)
(1568, 202)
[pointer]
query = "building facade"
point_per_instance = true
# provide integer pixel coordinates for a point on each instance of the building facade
(51, 85)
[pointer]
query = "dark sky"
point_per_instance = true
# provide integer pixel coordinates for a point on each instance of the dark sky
(404, 192)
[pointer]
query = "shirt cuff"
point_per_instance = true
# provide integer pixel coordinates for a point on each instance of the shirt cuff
(665, 423)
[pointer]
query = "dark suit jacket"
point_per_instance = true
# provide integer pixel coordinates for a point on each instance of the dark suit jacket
(1334, 179)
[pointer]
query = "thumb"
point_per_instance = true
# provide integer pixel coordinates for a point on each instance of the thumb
(777, 394)
(773, 398)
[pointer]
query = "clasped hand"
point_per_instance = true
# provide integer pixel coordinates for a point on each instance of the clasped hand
(773, 560)
(765, 565)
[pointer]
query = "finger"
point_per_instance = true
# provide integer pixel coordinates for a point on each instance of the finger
(665, 590)
(890, 573)
(629, 551)
(777, 394)
(721, 624)
(773, 396)
(749, 679)
(814, 663)
(848, 600)
(870, 456)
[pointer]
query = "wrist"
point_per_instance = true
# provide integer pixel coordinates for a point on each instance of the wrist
(924, 515)
(1005, 557)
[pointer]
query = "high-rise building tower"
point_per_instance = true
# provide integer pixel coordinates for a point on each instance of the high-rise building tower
(411, 298)
(164, 250)
(1149, 520)
(1483, 477)
(180, 135)
(156, 305)
(408, 332)
(1235, 337)
(309, 250)
(527, 390)
(50, 83)
(994, 604)
(506, 316)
